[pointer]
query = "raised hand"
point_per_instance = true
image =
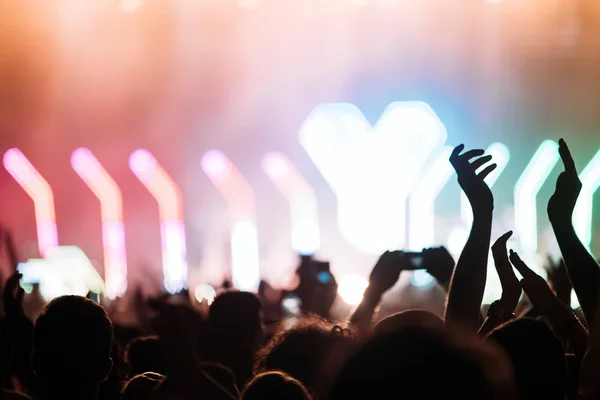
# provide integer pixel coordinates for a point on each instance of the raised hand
(583, 269)
(568, 186)
(468, 282)
(383, 277)
(511, 288)
(561, 317)
(439, 263)
(559, 281)
(473, 184)
(385, 273)
(12, 296)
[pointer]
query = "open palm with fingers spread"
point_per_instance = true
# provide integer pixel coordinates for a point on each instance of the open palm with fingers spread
(473, 183)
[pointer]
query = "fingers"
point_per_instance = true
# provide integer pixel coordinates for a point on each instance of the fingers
(483, 174)
(463, 161)
(11, 285)
(457, 150)
(523, 269)
(457, 157)
(480, 162)
(565, 155)
(500, 243)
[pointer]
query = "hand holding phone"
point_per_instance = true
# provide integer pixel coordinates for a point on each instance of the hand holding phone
(412, 261)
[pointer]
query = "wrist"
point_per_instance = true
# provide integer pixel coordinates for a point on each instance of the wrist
(372, 296)
(499, 312)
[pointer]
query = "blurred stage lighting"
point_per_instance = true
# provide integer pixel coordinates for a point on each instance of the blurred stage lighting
(250, 4)
(129, 6)
(526, 190)
(301, 198)
(239, 196)
(66, 271)
(583, 216)
(351, 289)
(205, 292)
(19, 167)
(111, 210)
(172, 228)
(421, 279)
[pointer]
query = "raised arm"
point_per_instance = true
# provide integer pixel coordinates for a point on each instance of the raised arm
(581, 266)
(502, 310)
(560, 316)
(468, 281)
(383, 277)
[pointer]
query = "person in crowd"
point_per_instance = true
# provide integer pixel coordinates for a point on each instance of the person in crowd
(145, 354)
(146, 386)
(275, 386)
(236, 322)
(71, 348)
(310, 352)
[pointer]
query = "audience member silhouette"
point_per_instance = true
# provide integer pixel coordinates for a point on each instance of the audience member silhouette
(145, 354)
(425, 363)
(275, 386)
(310, 352)
(236, 323)
(537, 357)
(72, 343)
(146, 386)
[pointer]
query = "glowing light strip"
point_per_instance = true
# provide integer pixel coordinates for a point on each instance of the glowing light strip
(172, 228)
(111, 209)
(422, 201)
(526, 190)
(240, 198)
(582, 217)
(40, 192)
(358, 161)
(501, 156)
(301, 198)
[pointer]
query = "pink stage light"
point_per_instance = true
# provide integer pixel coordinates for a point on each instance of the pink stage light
(111, 208)
(172, 228)
(240, 198)
(215, 164)
(301, 198)
(40, 192)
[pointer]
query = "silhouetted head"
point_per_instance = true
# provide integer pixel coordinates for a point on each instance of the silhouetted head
(145, 354)
(537, 356)
(312, 351)
(72, 343)
(275, 386)
(424, 363)
(143, 387)
(237, 316)
(405, 319)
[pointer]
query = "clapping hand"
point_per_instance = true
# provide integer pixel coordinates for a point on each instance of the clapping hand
(568, 186)
(472, 183)
(511, 288)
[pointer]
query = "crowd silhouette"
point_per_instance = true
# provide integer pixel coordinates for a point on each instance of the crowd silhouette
(238, 347)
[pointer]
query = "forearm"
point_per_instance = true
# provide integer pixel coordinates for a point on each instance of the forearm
(362, 318)
(568, 328)
(583, 270)
(468, 282)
